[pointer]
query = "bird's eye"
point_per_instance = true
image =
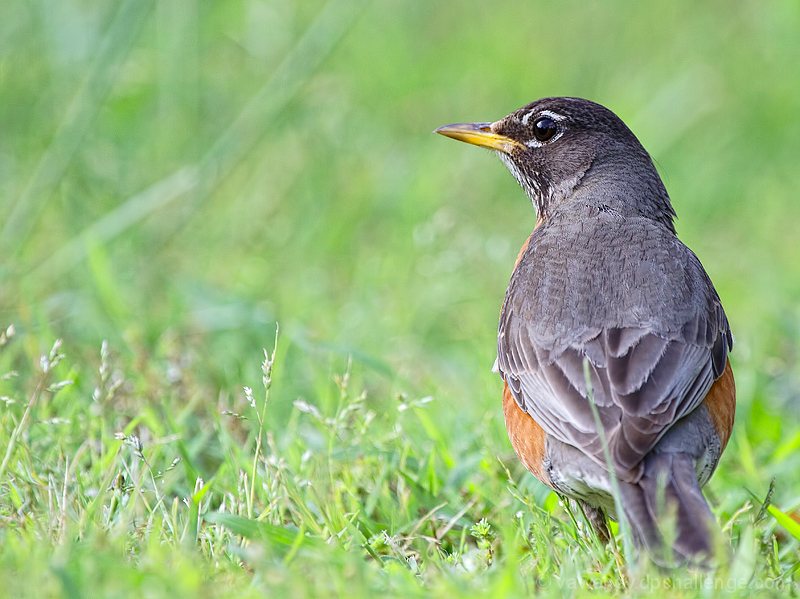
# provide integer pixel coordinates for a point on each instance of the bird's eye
(544, 128)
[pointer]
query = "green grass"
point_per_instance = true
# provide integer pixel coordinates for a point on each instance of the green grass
(178, 176)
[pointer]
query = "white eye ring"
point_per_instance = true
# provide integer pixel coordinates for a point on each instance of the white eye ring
(553, 116)
(548, 113)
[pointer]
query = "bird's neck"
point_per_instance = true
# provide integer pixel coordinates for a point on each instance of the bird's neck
(630, 188)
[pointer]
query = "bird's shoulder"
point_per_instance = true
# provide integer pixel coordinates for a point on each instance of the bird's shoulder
(600, 270)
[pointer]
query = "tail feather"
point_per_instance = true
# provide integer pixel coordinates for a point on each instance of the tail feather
(667, 507)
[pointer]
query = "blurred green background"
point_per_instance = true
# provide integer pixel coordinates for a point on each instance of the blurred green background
(178, 175)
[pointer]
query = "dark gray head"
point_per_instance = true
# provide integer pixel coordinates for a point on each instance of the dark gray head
(564, 149)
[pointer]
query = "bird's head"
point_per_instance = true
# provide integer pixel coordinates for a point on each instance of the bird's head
(557, 146)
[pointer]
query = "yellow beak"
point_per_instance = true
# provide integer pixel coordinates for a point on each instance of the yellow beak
(479, 134)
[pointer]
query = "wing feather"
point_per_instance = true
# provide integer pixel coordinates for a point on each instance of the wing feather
(642, 383)
(653, 334)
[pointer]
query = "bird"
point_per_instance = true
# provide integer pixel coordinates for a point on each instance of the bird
(612, 342)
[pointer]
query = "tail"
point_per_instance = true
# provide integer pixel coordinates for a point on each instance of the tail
(667, 509)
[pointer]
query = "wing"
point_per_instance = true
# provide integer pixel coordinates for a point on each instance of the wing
(645, 372)
(641, 383)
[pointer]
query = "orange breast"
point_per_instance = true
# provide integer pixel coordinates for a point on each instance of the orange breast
(721, 404)
(527, 437)
(525, 434)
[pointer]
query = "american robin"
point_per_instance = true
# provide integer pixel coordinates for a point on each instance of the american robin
(605, 304)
